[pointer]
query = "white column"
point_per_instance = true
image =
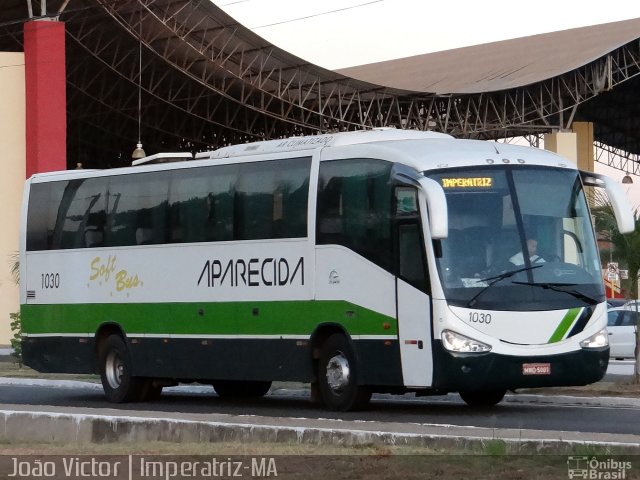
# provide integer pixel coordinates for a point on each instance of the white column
(563, 143)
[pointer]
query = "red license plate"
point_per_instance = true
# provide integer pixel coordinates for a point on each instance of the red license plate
(536, 369)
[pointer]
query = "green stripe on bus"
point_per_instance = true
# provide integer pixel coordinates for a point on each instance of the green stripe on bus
(224, 318)
(565, 324)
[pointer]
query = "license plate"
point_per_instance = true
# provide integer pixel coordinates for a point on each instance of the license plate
(536, 369)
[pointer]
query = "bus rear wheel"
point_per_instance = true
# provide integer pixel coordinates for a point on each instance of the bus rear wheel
(337, 376)
(116, 372)
(241, 388)
(482, 398)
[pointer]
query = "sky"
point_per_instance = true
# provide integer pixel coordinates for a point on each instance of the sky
(341, 33)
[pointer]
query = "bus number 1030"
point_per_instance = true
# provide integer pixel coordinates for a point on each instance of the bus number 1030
(50, 280)
(479, 317)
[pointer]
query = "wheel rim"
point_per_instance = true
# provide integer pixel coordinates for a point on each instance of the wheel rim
(338, 373)
(114, 369)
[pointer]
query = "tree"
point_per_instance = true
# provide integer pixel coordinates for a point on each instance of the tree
(626, 246)
(627, 252)
(14, 318)
(15, 267)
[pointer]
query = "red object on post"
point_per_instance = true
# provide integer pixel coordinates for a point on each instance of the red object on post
(46, 96)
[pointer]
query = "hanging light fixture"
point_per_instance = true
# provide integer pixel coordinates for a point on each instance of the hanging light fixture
(627, 178)
(139, 153)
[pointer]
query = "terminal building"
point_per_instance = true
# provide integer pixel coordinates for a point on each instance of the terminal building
(88, 83)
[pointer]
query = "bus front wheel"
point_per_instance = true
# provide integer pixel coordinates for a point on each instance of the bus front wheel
(482, 398)
(116, 371)
(337, 376)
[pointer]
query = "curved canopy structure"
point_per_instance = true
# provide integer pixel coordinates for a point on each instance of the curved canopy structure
(504, 65)
(207, 81)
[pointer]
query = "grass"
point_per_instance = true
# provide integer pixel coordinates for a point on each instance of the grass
(13, 370)
(623, 388)
(321, 461)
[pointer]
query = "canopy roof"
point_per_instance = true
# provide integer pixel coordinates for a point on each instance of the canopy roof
(500, 65)
(207, 81)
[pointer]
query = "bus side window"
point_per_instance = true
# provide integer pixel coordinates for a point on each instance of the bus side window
(291, 201)
(201, 204)
(354, 208)
(272, 199)
(406, 201)
(44, 199)
(81, 207)
(411, 266)
(94, 230)
(330, 222)
(138, 209)
(254, 201)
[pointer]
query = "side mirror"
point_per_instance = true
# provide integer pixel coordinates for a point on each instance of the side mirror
(434, 203)
(621, 208)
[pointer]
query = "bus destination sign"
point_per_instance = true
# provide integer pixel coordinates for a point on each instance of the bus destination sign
(468, 182)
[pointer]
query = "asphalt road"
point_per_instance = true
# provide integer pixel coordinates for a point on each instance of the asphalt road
(516, 412)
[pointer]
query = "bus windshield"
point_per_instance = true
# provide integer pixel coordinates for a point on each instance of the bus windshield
(520, 238)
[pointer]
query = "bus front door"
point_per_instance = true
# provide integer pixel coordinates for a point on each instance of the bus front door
(414, 307)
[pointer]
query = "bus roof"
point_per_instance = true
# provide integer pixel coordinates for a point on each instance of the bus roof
(417, 149)
(443, 150)
(447, 153)
(319, 141)
(163, 158)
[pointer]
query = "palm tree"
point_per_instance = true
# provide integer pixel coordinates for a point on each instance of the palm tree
(626, 250)
(14, 318)
(15, 267)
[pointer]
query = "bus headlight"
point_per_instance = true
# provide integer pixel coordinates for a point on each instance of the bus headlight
(454, 342)
(598, 340)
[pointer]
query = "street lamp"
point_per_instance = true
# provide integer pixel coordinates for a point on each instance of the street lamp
(139, 153)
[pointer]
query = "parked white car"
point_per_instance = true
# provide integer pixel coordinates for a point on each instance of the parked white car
(632, 305)
(621, 326)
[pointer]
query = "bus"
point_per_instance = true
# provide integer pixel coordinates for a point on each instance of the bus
(356, 262)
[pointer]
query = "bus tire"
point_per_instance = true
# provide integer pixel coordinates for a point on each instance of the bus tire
(482, 398)
(338, 375)
(116, 368)
(241, 388)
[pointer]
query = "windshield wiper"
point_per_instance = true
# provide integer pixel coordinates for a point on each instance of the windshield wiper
(496, 279)
(557, 287)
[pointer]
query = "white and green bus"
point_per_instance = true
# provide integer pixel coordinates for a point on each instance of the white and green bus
(359, 262)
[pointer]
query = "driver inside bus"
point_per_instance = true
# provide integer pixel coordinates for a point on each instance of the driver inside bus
(532, 248)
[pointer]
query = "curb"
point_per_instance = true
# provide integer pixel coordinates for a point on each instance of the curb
(49, 427)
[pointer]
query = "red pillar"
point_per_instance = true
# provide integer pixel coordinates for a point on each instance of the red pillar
(46, 96)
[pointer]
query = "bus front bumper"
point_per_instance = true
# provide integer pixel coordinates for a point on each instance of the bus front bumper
(491, 371)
